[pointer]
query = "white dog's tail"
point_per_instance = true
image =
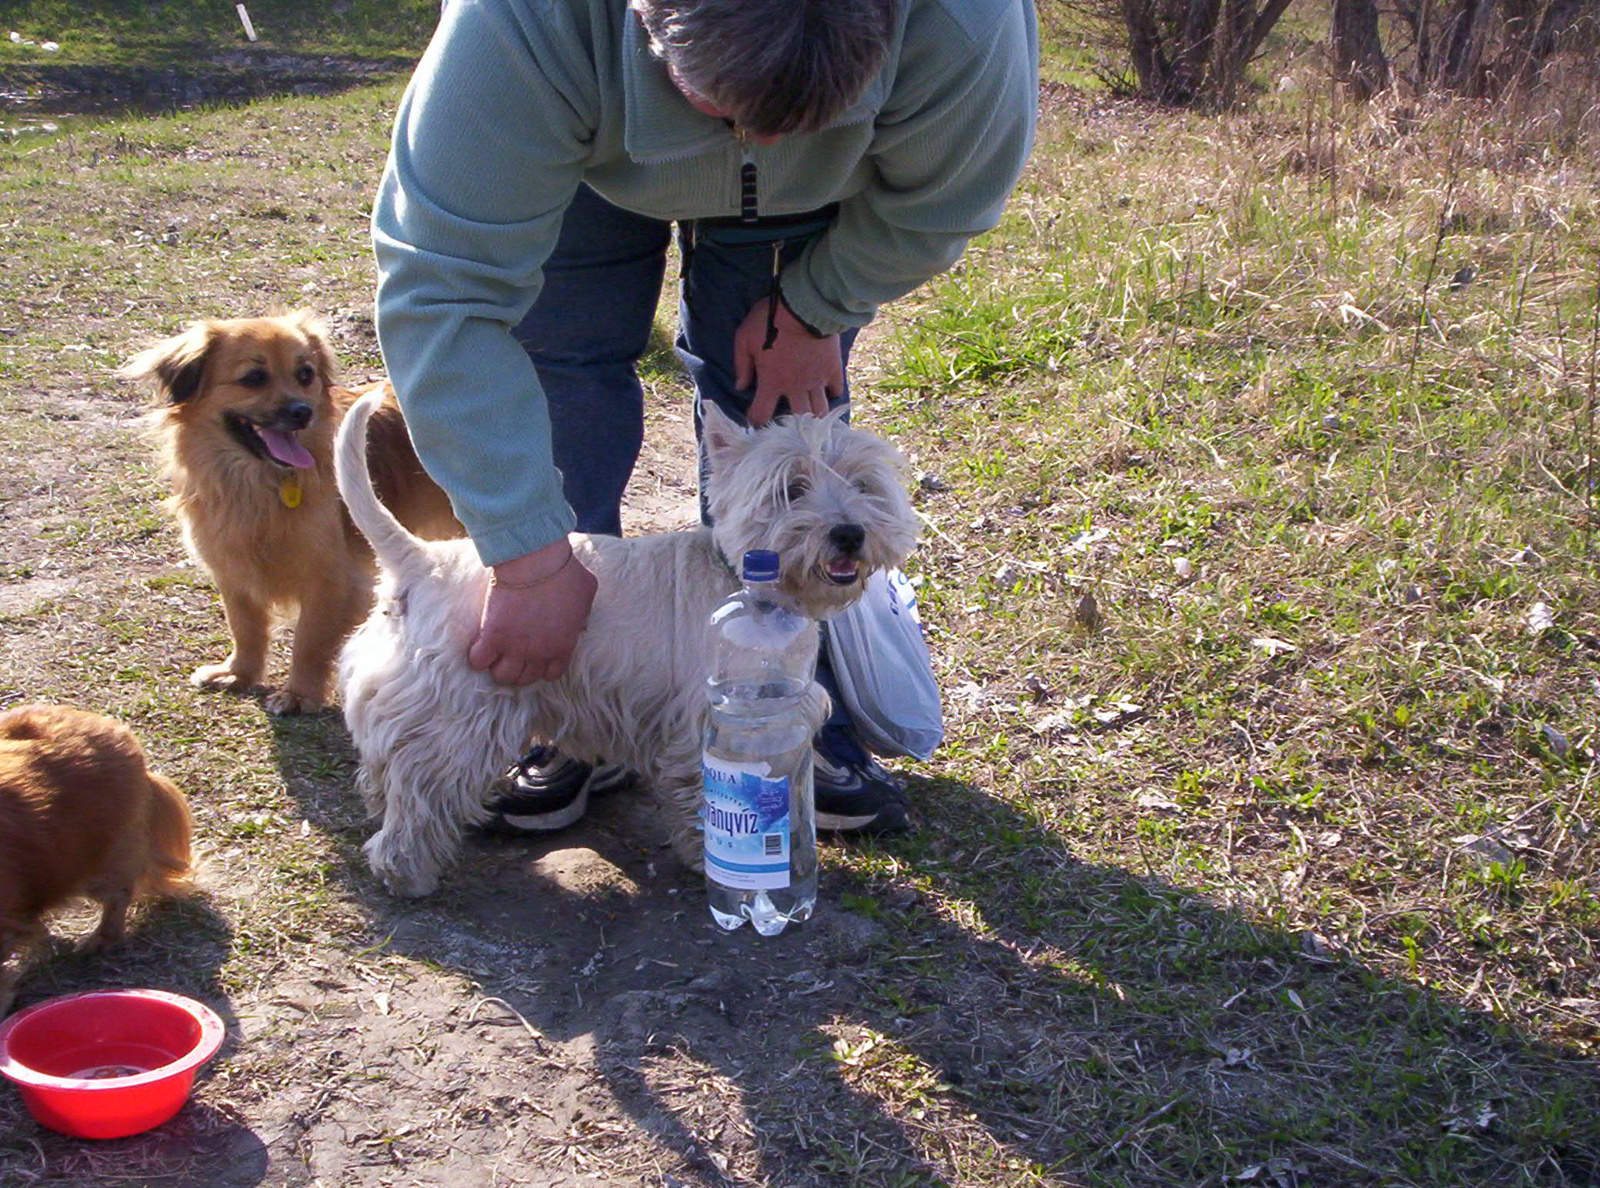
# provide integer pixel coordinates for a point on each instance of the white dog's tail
(396, 548)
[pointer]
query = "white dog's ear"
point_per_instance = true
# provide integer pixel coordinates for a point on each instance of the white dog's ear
(726, 441)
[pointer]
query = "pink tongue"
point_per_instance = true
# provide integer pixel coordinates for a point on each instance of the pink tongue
(286, 449)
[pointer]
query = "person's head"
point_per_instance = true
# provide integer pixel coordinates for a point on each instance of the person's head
(773, 67)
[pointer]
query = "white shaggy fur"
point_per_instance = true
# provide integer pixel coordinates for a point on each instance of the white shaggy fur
(432, 733)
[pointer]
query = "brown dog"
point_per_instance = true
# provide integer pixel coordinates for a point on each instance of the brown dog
(80, 814)
(247, 413)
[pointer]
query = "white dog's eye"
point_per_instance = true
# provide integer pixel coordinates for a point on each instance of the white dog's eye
(797, 489)
(862, 485)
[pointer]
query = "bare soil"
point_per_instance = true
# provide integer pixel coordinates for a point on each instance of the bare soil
(563, 1013)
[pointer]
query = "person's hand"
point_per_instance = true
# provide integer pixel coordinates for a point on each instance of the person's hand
(533, 613)
(798, 368)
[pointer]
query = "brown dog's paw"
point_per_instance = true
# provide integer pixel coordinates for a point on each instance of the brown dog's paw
(286, 702)
(99, 942)
(221, 676)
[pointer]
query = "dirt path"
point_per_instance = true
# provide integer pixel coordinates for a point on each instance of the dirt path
(562, 1013)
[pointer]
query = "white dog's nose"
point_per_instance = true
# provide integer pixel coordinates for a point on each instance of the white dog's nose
(847, 538)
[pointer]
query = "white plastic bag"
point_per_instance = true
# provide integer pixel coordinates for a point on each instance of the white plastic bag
(885, 677)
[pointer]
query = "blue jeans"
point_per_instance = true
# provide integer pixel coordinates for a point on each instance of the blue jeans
(592, 321)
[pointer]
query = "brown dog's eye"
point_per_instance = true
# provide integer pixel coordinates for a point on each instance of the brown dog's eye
(305, 375)
(254, 378)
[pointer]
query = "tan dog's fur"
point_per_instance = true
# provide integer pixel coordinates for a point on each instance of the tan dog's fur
(80, 815)
(219, 383)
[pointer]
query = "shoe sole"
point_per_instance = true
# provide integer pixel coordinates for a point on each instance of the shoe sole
(547, 822)
(608, 778)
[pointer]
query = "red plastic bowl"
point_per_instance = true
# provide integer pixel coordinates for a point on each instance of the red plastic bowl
(108, 1063)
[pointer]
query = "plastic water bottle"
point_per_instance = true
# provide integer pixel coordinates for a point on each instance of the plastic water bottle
(759, 810)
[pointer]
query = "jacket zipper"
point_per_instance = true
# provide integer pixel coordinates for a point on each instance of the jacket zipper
(749, 210)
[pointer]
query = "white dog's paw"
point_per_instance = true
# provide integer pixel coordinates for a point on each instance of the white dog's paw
(402, 881)
(411, 887)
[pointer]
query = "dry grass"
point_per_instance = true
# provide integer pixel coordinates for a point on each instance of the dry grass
(1303, 400)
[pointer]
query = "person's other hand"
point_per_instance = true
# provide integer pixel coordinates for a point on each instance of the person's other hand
(799, 368)
(528, 634)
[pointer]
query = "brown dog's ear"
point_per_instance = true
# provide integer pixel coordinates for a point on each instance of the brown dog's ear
(175, 366)
(316, 333)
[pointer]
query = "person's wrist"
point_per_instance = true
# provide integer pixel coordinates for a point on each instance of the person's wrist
(534, 569)
(799, 321)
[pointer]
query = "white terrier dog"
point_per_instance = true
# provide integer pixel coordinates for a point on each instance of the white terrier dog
(432, 733)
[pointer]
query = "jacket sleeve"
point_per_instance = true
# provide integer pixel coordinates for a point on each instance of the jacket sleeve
(948, 146)
(488, 148)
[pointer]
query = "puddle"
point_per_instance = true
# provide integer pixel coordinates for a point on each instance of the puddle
(18, 122)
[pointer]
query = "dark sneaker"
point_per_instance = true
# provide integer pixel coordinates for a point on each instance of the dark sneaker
(547, 790)
(854, 794)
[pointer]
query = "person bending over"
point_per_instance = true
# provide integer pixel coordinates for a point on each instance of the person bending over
(817, 157)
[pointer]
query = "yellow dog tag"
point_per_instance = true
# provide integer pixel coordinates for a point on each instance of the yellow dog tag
(289, 490)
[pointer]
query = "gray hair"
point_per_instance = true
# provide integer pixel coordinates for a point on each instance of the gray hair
(776, 67)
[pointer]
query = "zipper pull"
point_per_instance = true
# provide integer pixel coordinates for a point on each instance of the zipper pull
(748, 209)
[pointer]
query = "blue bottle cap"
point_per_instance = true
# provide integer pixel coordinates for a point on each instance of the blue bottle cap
(761, 565)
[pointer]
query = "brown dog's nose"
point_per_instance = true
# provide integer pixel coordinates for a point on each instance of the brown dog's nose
(847, 538)
(296, 414)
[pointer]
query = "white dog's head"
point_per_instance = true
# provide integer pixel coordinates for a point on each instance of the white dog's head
(825, 497)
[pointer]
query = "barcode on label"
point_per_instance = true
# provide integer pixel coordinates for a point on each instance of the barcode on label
(771, 844)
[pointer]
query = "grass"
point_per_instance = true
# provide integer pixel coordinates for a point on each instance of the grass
(1187, 345)
(1279, 867)
(171, 33)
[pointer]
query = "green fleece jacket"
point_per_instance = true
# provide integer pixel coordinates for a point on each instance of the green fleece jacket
(516, 102)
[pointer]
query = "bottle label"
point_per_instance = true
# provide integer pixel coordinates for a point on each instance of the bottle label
(746, 817)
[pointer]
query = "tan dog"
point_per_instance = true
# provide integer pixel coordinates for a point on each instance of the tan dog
(248, 410)
(80, 815)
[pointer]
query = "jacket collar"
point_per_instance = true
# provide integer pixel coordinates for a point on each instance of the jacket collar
(658, 123)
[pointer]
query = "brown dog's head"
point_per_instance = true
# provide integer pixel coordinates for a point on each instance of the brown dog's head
(263, 382)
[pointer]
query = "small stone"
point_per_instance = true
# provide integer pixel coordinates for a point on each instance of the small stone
(1485, 849)
(1087, 612)
(1556, 741)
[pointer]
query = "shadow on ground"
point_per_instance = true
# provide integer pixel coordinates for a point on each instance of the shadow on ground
(175, 945)
(214, 79)
(988, 997)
